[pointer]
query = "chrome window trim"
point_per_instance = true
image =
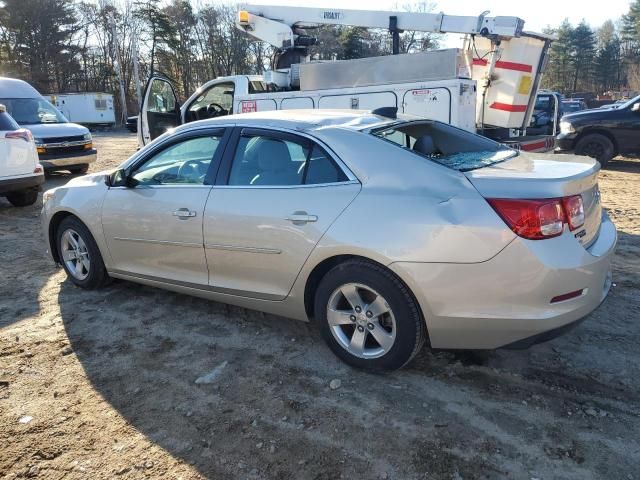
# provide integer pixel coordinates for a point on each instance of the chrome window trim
(280, 187)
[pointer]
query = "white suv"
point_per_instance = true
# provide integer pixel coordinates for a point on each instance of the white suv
(20, 173)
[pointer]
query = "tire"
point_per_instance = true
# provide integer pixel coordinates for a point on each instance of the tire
(596, 146)
(73, 241)
(23, 199)
(401, 328)
(82, 169)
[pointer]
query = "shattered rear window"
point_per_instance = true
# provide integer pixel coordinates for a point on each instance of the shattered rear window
(465, 161)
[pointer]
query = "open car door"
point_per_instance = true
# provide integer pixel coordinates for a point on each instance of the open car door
(160, 109)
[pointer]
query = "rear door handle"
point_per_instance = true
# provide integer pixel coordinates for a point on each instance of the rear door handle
(184, 213)
(300, 218)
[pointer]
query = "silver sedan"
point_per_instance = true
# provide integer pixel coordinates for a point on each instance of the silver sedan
(385, 232)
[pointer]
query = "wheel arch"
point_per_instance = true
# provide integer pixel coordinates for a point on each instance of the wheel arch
(322, 268)
(54, 223)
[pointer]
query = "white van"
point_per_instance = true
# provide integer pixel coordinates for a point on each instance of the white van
(61, 145)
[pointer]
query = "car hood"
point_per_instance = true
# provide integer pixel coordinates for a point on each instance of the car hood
(47, 130)
(88, 180)
(590, 115)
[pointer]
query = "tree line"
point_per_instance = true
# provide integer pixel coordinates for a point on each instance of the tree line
(598, 60)
(75, 46)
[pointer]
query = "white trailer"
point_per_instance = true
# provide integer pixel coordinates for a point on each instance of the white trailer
(91, 108)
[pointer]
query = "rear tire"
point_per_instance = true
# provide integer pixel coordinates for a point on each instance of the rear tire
(596, 146)
(82, 169)
(79, 254)
(368, 317)
(23, 199)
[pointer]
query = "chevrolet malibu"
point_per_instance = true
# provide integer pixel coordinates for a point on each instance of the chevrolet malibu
(386, 231)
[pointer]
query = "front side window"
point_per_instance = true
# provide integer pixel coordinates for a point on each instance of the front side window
(447, 145)
(183, 163)
(263, 160)
(32, 111)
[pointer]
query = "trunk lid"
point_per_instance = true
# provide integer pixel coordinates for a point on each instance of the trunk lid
(540, 176)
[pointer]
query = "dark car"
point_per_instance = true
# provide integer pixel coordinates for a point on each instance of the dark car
(132, 124)
(573, 106)
(602, 133)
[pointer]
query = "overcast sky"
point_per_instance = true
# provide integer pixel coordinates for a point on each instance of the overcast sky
(537, 14)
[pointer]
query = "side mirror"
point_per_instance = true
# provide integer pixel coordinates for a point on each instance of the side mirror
(118, 178)
(636, 107)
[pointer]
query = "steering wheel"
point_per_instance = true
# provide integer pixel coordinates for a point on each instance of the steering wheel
(190, 170)
(216, 110)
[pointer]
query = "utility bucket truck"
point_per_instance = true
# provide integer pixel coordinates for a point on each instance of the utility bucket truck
(488, 86)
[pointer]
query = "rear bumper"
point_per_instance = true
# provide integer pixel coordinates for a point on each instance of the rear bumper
(506, 301)
(50, 161)
(8, 185)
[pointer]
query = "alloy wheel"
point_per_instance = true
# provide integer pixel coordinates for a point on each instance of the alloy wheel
(75, 254)
(361, 321)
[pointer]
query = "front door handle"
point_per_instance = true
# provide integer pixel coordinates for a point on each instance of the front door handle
(184, 213)
(300, 218)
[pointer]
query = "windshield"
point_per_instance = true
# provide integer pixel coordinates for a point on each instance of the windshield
(30, 111)
(449, 146)
(624, 105)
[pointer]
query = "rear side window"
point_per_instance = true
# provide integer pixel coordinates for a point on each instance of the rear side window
(265, 160)
(7, 122)
(321, 169)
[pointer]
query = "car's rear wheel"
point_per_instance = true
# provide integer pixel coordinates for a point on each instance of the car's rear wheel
(23, 199)
(368, 317)
(596, 146)
(79, 254)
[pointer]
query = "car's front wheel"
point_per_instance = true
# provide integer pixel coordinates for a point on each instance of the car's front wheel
(79, 254)
(596, 146)
(368, 317)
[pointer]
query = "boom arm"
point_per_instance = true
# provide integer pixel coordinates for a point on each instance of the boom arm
(276, 25)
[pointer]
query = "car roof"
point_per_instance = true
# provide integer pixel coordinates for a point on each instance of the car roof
(14, 88)
(304, 120)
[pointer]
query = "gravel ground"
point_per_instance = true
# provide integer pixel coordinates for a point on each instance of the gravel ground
(103, 384)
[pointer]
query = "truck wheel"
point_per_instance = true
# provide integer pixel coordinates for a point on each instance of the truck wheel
(596, 146)
(368, 317)
(82, 169)
(23, 199)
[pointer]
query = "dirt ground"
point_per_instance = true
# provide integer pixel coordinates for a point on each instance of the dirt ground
(103, 384)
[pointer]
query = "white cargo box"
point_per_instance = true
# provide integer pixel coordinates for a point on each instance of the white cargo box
(406, 68)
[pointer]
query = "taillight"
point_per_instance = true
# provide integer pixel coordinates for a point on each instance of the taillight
(574, 210)
(532, 219)
(38, 169)
(21, 134)
(538, 219)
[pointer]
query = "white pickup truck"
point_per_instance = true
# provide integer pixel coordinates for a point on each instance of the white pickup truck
(20, 173)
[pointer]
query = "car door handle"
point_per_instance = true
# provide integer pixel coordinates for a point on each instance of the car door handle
(300, 218)
(184, 213)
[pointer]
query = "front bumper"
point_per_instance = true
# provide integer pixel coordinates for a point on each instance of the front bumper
(51, 161)
(16, 184)
(565, 142)
(507, 299)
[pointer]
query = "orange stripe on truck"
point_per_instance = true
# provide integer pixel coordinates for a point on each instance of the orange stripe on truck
(507, 107)
(520, 67)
